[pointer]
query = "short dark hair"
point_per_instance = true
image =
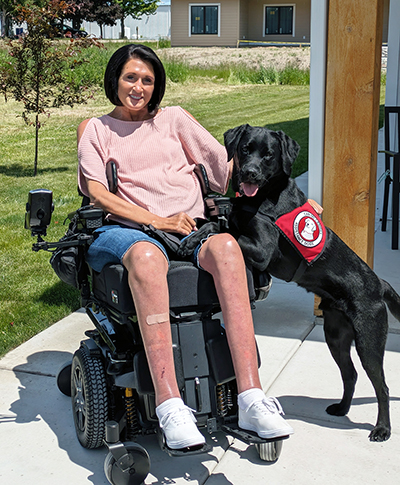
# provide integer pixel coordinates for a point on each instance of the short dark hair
(117, 62)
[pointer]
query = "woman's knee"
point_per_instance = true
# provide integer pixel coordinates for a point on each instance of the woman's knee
(143, 260)
(221, 250)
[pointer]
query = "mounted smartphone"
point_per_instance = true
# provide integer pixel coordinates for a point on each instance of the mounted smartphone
(38, 211)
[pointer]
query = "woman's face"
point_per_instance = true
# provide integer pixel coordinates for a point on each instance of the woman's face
(135, 87)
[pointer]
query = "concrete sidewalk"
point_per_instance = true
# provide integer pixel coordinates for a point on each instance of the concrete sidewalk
(37, 436)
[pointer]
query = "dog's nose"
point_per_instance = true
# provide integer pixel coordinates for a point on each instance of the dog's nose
(250, 174)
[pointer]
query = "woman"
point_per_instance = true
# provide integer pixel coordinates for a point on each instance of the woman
(156, 151)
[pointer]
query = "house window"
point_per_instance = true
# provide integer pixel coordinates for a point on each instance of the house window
(279, 20)
(204, 19)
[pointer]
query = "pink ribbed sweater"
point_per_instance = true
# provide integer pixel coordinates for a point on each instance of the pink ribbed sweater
(155, 160)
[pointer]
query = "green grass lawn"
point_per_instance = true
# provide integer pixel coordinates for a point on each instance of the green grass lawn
(32, 297)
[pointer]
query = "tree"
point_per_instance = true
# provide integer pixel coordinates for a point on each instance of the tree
(80, 10)
(106, 12)
(135, 9)
(39, 71)
(7, 9)
(103, 12)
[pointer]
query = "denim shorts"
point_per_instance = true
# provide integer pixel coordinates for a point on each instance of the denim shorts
(112, 242)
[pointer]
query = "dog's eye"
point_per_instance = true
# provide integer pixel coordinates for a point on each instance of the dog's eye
(245, 150)
(269, 155)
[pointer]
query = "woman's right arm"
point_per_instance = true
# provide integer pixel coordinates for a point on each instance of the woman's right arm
(111, 204)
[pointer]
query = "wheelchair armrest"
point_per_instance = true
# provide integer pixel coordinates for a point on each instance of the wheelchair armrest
(218, 206)
(112, 176)
(86, 219)
(91, 217)
(201, 173)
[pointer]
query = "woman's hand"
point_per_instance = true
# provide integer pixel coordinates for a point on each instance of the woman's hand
(180, 223)
(111, 204)
(318, 209)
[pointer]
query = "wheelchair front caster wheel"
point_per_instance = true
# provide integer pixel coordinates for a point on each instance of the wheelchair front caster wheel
(134, 468)
(64, 378)
(269, 451)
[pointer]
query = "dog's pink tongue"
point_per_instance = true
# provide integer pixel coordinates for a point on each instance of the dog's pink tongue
(249, 189)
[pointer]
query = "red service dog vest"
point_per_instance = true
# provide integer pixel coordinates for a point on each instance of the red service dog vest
(304, 230)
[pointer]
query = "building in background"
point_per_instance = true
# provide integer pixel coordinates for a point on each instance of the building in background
(149, 27)
(231, 22)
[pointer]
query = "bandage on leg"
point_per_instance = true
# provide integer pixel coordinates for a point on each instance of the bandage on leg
(160, 318)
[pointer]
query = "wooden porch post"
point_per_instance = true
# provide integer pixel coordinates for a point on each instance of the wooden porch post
(351, 121)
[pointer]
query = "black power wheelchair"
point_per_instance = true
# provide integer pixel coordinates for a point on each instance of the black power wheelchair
(109, 380)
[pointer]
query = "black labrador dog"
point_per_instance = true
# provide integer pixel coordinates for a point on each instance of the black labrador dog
(280, 233)
(353, 297)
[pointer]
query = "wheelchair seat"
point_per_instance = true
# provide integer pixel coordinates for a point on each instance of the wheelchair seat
(190, 288)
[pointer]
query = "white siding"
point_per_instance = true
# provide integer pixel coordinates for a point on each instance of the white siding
(150, 27)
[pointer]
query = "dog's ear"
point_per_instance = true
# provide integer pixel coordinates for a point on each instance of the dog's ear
(232, 138)
(289, 151)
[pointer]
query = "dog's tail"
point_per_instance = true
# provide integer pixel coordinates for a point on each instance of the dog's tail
(392, 299)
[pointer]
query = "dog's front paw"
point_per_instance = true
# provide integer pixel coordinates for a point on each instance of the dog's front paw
(337, 409)
(190, 243)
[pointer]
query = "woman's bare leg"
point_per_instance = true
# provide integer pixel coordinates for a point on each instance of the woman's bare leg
(147, 272)
(222, 257)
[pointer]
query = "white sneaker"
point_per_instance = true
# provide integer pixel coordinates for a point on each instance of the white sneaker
(180, 430)
(264, 417)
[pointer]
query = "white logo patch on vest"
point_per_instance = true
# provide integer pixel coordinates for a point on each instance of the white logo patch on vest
(304, 230)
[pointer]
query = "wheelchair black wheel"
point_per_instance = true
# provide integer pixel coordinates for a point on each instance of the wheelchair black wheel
(269, 451)
(89, 398)
(64, 378)
(137, 471)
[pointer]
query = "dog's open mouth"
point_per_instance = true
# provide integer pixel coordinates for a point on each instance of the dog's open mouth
(249, 189)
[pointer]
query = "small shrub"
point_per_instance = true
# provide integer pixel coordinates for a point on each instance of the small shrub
(294, 76)
(176, 71)
(268, 75)
(163, 43)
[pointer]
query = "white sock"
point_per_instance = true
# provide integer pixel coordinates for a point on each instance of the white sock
(247, 398)
(168, 405)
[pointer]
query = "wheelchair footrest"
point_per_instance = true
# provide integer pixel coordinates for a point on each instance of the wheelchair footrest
(195, 450)
(248, 437)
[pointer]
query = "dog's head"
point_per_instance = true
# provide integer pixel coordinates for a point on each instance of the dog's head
(260, 156)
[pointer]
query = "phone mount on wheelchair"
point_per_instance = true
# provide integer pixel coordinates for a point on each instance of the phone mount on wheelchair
(108, 379)
(39, 209)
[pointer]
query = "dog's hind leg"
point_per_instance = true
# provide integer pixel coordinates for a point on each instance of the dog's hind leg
(339, 335)
(370, 345)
